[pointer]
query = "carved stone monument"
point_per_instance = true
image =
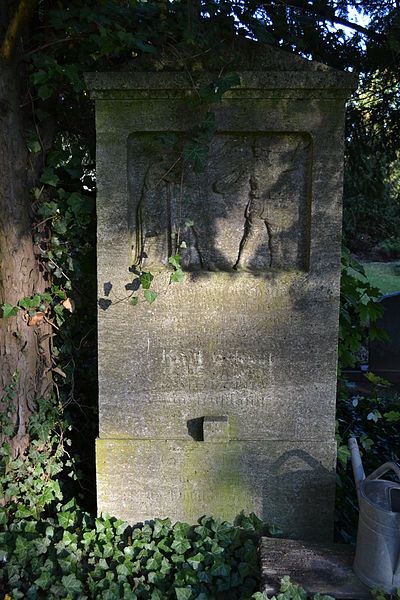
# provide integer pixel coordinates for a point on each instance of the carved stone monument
(220, 395)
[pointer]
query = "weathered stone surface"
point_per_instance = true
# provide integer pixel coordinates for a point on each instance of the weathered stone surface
(220, 396)
(288, 484)
(218, 344)
(249, 209)
(318, 568)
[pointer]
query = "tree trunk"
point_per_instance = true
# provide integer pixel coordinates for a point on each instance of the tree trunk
(22, 346)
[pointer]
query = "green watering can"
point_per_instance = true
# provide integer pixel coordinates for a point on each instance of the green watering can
(377, 560)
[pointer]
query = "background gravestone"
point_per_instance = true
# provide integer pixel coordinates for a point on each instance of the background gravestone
(384, 356)
(220, 396)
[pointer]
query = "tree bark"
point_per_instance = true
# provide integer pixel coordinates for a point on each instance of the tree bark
(22, 347)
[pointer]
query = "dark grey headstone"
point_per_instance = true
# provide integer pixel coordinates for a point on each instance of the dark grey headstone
(384, 356)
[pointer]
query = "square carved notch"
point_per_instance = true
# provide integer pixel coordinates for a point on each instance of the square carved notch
(216, 429)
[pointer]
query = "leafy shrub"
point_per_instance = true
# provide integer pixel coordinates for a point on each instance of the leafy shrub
(31, 483)
(390, 247)
(290, 591)
(374, 421)
(371, 210)
(359, 309)
(73, 555)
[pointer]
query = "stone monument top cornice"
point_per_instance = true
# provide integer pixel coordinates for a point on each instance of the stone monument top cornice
(261, 67)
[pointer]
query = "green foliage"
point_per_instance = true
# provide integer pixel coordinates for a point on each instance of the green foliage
(74, 555)
(8, 410)
(150, 296)
(372, 168)
(379, 594)
(9, 310)
(359, 309)
(390, 247)
(49, 305)
(30, 483)
(175, 262)
(290, 591)
(374, 421)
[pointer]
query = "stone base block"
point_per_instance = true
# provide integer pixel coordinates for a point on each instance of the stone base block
(286, 483)
(318, 568)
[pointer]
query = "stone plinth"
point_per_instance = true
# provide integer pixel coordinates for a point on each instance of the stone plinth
(220, 396)
(318, 568)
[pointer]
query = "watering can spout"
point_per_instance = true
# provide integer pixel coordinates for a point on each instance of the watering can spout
(358, 469)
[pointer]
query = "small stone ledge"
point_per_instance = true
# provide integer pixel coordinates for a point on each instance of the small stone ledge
(324, 568)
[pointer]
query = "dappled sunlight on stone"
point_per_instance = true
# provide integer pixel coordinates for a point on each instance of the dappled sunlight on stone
(219, 395)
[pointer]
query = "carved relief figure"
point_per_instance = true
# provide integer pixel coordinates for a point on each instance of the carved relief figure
(248, 210)
(270, 184)
(271, 215)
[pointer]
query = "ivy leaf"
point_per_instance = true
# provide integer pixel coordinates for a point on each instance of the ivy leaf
(374, 416)
(39, 77)
(48, 209)
(178, 275)
(36, 300)
(180, 546)
(161, 527)
(32, 142)
(71, 583)
(220, 569)
(183, 593)
(275, 531)
(196, 560)
(150, 296)
(181, 530)
(65, 519)
(343, 454)
(45, 92)
(120, 526)
(43, 582)
(9, 310)
(41, 545)
(175, 261)
(392, 416)
(152, 564)
(145, 280)
(196, 153)
(134, 300)
(49, 177)
(22, 513)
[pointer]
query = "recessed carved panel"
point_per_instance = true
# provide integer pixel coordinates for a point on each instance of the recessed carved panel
(248, 210)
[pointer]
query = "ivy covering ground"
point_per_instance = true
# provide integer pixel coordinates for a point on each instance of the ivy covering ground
(74, 555)
(52, 549)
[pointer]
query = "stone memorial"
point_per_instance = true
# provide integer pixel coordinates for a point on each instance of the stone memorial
(219, 396)
(384, 356)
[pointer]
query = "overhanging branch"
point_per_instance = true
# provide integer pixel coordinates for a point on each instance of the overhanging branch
(329, 16)
(19, 19)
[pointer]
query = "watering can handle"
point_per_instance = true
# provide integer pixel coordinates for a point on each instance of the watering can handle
(389, 466)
